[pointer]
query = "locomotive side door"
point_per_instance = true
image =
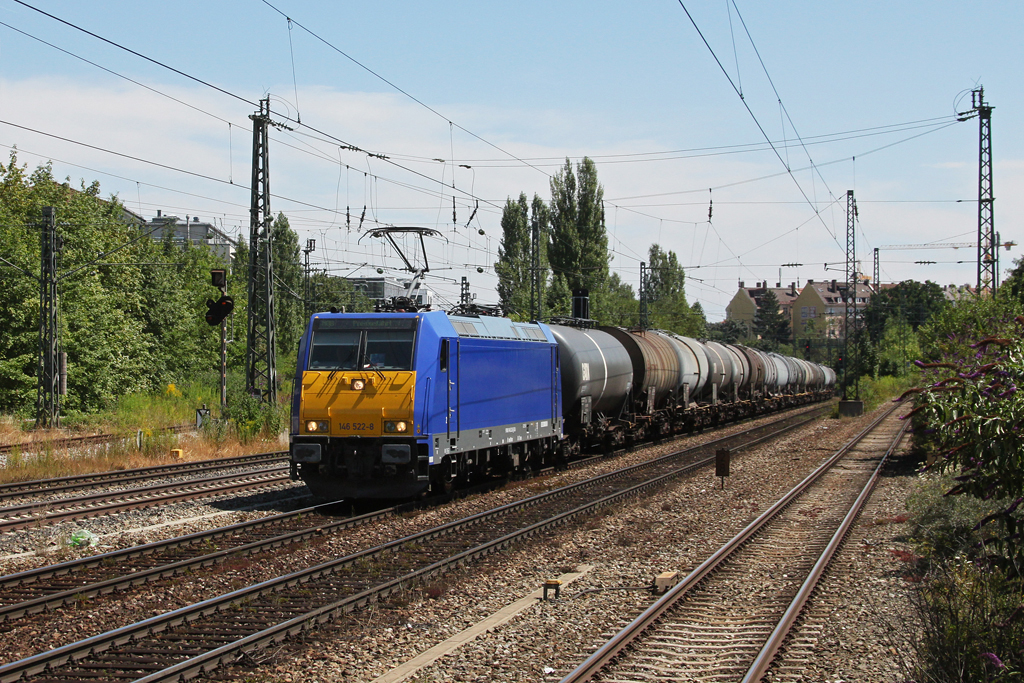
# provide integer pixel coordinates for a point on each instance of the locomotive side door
(450, 370)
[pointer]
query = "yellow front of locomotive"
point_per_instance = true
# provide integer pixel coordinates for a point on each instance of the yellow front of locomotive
(354, 434)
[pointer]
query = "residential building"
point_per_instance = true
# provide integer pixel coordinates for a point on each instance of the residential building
(747, 302)
(821, 307)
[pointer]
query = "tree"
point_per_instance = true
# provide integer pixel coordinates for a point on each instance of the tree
(771, 325)
(329, 291)
(514, 259)
(125, 328)
(289, 306)
(617, 303)
(727, 331)
(1013, 283)
(897, 348)
(915, 302)
(667, 307)
(558, 298)
(578, 242)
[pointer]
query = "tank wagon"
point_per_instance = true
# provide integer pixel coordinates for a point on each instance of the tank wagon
(392, 405)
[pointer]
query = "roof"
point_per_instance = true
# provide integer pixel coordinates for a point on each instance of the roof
(824, 290)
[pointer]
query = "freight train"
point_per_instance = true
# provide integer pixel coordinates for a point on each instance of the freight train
(395, 405)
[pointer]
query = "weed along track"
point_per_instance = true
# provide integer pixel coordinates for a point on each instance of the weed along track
(202, 636)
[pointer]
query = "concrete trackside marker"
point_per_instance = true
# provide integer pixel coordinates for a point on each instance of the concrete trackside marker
(505, 614)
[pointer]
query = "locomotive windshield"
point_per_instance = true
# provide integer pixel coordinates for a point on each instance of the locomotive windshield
(362, 343)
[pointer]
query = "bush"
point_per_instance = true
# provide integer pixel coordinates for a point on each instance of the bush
(970, 625)
(252, 417)
(944, 527)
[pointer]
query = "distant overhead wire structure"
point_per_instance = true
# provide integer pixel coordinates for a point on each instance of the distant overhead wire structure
(307, 139)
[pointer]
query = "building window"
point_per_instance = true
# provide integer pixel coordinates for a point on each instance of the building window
(803, 311)
(813, 312)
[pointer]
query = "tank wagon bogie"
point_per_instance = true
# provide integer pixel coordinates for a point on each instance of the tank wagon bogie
(392, 405)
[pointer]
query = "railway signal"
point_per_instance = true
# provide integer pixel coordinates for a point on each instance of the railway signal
(219, 310)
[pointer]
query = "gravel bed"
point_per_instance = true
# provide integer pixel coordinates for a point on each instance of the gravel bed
(672, 530)
(49, 543)
(103, 613)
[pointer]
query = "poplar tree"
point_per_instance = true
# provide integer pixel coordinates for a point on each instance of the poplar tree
(578, 241)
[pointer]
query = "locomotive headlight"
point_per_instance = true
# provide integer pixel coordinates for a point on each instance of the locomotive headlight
(311, 426)
(395, 426)
(358, 384)
(314, 426)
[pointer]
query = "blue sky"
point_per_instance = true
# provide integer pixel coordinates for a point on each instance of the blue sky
(517, 87)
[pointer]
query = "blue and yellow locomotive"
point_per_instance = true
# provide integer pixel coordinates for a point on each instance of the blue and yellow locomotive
(391, 405)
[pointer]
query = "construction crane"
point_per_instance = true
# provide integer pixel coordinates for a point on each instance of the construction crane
(936, 245)
(945, 245)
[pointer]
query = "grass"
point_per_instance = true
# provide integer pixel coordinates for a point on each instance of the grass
(229, 436)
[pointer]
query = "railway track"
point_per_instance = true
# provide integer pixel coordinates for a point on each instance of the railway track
(78, 441)
(41, 513)
(78, 482)
(188, 641)
(728, 618)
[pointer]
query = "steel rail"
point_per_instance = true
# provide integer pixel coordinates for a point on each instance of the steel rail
(25, 516)
(767, 654)
(54, 599)
(628, 635)
(71, 441)
(37, 487)
(229, 652)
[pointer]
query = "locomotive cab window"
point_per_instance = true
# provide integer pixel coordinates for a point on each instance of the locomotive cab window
(334, 350)
(367, 343)
(388, 349)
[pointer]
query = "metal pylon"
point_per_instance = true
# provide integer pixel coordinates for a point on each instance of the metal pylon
(48, 394)
(987, 255)
(261, 339)
(850, 331)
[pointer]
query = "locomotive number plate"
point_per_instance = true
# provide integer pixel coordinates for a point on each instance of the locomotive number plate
(356, 426)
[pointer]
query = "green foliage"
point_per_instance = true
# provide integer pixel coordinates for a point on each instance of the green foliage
(289, 307)
(875, 391)
(514, 265)
(912, 301)
(668, 309)
(249, 416)
(945, 527)
(771, 325)
(952, 330)
(1012, 286)
(615, 303)
(578, 242)
(970, 628)
(897, 349)
(127, 329)
(971, 412)
(558, 298)
(727, 331)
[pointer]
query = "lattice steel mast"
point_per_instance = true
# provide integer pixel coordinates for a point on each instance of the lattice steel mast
(987, 255)
(988, 269)
(261, 339)
(49, 387)
(851, 296)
